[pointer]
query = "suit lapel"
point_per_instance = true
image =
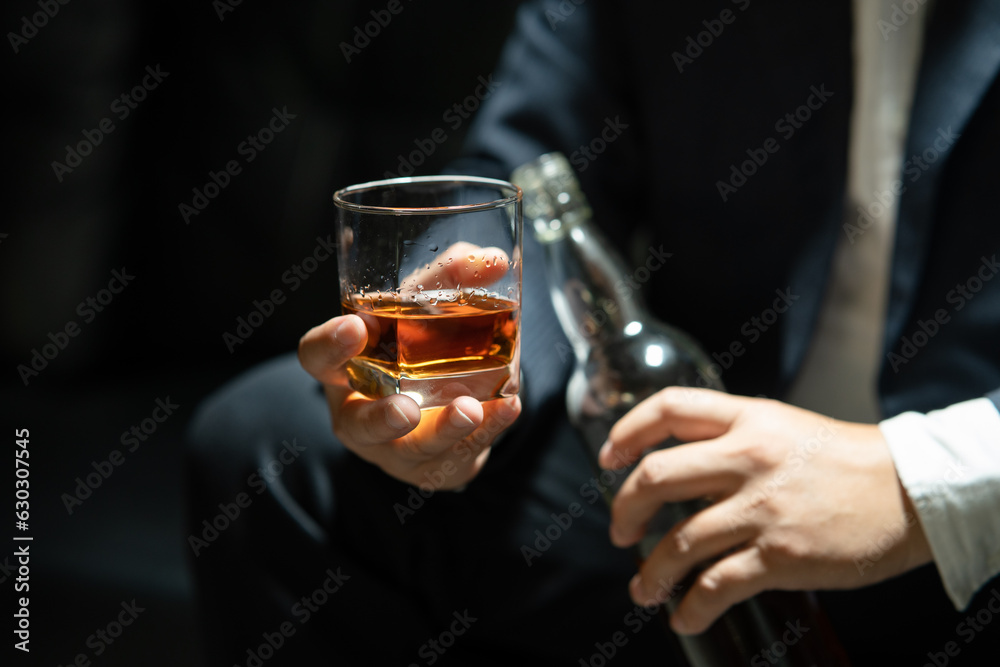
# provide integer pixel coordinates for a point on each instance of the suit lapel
(960, 61)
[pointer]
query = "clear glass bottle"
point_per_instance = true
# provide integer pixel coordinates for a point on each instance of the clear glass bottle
(623, 355)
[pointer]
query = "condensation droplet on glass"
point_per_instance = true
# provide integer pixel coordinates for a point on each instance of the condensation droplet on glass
(471, 258)
(433, 247)
(420, 287)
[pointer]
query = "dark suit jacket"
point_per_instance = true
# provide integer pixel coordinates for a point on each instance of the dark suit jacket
(719, 131)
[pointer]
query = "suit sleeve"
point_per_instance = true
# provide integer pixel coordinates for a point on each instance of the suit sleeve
(561, 85)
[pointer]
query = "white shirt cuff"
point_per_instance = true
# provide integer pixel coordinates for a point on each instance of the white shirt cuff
(949, 463)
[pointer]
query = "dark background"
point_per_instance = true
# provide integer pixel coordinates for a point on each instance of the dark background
(162, 336)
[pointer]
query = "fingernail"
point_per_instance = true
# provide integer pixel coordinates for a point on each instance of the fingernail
(604, 454)
(395, 417)
(460, 420)
(347, 334)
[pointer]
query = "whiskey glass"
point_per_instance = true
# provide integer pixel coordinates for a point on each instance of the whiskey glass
(432, 265)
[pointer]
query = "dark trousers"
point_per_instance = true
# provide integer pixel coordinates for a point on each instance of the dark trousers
(330, 561)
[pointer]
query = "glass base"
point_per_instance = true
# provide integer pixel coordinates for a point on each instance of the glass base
(431, 391)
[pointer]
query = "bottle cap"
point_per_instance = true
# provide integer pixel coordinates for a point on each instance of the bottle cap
(553, 201)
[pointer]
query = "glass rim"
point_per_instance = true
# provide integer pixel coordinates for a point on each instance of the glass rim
(515, 196)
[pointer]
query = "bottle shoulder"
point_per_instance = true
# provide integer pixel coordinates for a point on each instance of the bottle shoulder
(617, 374)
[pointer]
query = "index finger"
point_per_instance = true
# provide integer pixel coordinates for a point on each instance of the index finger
(682, 473)
(685, 413)
(462, 263)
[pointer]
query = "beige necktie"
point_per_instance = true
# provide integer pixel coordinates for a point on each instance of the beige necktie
(840, 371)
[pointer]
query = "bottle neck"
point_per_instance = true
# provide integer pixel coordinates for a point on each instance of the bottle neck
(592, 293)
(593, 296)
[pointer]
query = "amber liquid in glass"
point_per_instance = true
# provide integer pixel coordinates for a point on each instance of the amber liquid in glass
(436, 346)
